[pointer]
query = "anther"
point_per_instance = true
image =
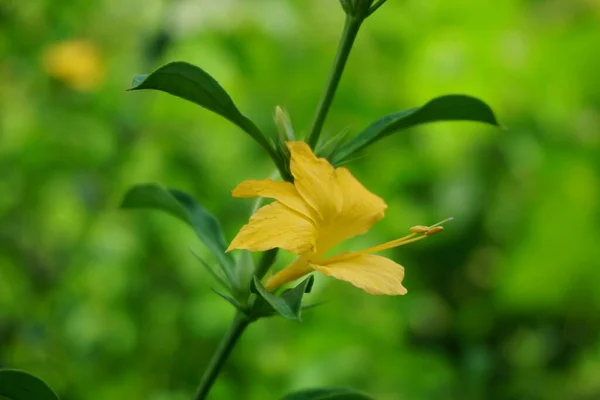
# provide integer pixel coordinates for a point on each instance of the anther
(433, 230)
(419, 229)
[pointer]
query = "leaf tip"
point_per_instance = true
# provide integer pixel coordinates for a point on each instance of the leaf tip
(137, 82)
(309, 284)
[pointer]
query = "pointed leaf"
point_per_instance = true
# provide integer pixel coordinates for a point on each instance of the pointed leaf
(293, 297)
(183, 206)
(229, 299)
(310, 281)
(277, 303)
(192, 83)
(19, 385)
(288, 305)
(327, 394)
(151, 195)
(211, 271)
(445, 108)
(314, 305)
(206, 226)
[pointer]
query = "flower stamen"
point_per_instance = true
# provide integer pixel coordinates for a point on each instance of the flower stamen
(433, 230)
(422, 230)
(442, 222)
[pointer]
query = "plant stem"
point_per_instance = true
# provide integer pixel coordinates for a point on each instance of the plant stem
(351, 27)
(239, 323)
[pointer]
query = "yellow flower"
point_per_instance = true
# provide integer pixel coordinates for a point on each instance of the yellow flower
(323, 207)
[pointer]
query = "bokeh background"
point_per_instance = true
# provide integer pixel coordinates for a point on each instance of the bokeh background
(108, 304)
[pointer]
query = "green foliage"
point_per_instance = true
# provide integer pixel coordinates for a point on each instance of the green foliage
(217, 276)
(230, 300)
(444, 108)
(327, 394)
(19, 385)
(183, 206)
(192, 83)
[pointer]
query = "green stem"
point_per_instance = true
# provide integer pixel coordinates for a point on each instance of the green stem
(240, 322)
(351, 27)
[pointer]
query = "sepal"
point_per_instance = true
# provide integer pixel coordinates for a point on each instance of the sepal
(288, 304)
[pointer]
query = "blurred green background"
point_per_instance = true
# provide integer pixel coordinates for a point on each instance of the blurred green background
(107, 304)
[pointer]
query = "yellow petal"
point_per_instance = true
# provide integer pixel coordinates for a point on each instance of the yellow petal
(284, 192)
(315, 180)
(373, 274)
(276, 225)
(361, 208)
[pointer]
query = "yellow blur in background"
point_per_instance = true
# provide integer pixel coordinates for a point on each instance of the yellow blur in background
(77, 63)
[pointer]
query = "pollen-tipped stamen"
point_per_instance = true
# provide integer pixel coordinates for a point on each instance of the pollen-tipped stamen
(420, 232)
(419, 229)
(301, 266)
(433, 230)
(441, 222)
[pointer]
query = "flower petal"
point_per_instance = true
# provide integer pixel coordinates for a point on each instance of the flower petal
(315, 180)
(373, 274)
(276, 225)
(284, 192)
(361, 208)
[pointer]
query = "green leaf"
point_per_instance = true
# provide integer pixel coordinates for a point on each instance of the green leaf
(293, 297)
(327, 394)
(277, 303)
(192, 83)
(445, 108)
(314, 305)
(19, 385)
(182, 206)
(229, 299)
(211, 271)
(154, 196)
(288, 305)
